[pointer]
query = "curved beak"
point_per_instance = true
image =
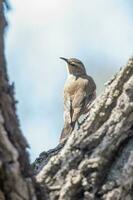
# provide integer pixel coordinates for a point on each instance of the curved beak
(65, 59)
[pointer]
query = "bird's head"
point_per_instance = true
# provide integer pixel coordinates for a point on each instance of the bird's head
(75, 66)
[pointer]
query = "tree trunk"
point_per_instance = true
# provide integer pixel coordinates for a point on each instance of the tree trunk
(15, 172)
(97, 160)
(96, 163)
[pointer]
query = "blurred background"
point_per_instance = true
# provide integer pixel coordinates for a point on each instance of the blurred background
(100, 33)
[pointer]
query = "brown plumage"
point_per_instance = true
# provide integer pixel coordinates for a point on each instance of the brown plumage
(79, 92)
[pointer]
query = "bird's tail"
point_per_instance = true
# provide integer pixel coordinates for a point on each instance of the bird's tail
(66, 131)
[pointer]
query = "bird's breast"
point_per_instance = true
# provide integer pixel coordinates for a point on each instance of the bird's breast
(72, 85)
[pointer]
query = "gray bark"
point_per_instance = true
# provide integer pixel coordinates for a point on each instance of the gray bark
(97, 160)
(15, 173)
(96, 163)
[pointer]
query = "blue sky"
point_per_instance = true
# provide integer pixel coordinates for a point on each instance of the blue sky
(100, 33)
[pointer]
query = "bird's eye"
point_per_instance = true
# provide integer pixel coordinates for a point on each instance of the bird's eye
(73, 64)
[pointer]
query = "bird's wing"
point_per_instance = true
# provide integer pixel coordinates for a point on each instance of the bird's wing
(67, 109)
(78, 103)
(91, 92)
(90, 86)
(68, 125)
(83, 98)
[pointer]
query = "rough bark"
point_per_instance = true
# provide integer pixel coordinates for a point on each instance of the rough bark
(15, 173)
(97, 160)
(96, 163)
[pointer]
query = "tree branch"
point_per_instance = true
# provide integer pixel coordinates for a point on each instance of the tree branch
(96, 157)
(96, 163)
(15, 172)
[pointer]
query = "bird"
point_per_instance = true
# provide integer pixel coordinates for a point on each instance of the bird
(79, 93)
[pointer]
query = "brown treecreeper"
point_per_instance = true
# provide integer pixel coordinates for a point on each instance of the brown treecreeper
(79, 93)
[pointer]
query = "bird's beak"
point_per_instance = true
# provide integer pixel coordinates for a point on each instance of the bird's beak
(65, 59)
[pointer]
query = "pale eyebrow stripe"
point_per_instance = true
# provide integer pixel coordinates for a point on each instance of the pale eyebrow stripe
(75, 61)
